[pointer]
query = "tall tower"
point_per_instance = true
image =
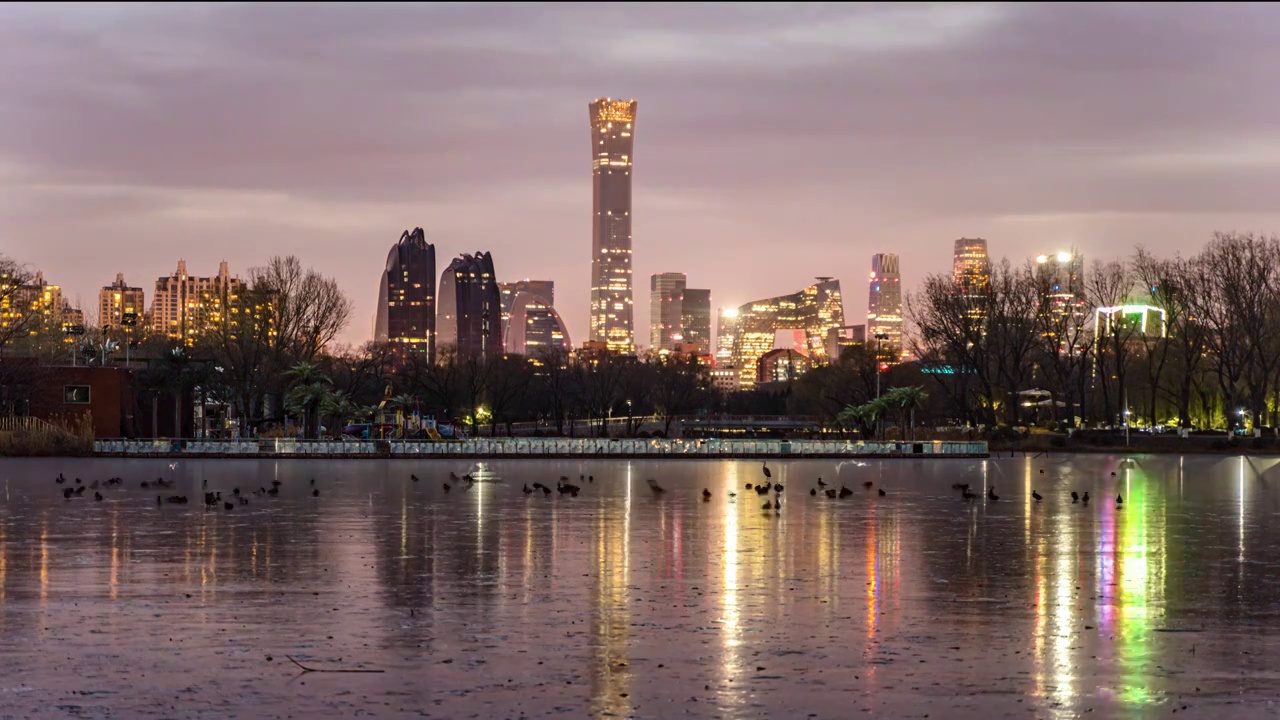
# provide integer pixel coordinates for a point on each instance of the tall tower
(970, 269)
(666, 307)
(612, 125)
(407, 295)
(884, 305)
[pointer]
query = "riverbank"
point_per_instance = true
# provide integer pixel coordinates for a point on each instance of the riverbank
(1137, 443)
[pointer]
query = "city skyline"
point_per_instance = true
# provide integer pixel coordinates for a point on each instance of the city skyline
(745, 149)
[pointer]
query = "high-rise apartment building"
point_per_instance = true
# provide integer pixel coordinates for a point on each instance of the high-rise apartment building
(407, 295)
(120, 305)
(36, 305)
(612, 127)
(469, 307)
(695, 319)
(814, 311)
(884, 305)
(1061, 280)
(544, 289)
(666, 304)
(534, 327)
(183, 306)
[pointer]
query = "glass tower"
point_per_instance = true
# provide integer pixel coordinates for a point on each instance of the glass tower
(612, 321)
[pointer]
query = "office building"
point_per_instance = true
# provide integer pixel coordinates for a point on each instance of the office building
(612, 321)
(407, 295)
(726, 330)
(695, 319)
(781, 365)
(184, 306)
(120, 305)
(534, 327)
(884, 305)
(1061, 280)
(971, 273)
(666, 303)
(844, 338)
(814, 311)
(544, 289)
(469, 307)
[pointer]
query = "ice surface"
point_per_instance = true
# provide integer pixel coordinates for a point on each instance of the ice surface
(485, 602)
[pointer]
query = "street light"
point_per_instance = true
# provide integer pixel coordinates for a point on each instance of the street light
(879, 365)
(629, 418)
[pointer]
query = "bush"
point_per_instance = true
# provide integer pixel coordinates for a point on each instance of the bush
(71, 437)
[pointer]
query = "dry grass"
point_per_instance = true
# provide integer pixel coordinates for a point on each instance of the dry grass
(68, 437)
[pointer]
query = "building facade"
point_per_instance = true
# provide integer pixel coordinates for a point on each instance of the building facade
(781, 365)
(183, 306)
(544, 289)
(813, 311)
(612, 311)
(695, 319)
(118, 303)
(1061, 280)
(884, 304)
(666, 305)
(36, 306)
(726, 330)
(534, 327)
(469, 307)
(407, 295)
(843, 338)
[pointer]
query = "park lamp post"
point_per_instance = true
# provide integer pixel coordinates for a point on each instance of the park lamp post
(629, 431)
(879, 364)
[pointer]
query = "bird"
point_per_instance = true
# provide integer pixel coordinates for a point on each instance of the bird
(991, 494)
(315, 492)
(453, 476)
(831, 493)
(243, 500)
(145, 484)
(235, 491)
(733, 494)
(966, 495)
(468, 478)
(591, 478)
(821, 483)
(1036, 495)
(813, 491)
(581, 478)
(97, 497)
(1075, 496)
(765, 468)
(845, 492)
(867, 484)
(273, 491)
(165, 483)
(1113, 473)
(1119, 500)
(275, 483)
(313, 482)
(777, 503)
(59, 479)
(768, 505)
(210, 499)
(79, 491)
(157, 499)
(228, 505)
(1085, 499)
(959, 486)
(882, 492)
(77, 481)
(526, 490)
(93, 485)
(176, 499)
(413, 478)
(66, 494)
(568, 488)
(762, 489)
(1041, 471)
(748, 487)
(538, 486)
(654, 486)
(778, 488)
(706, 495)
(204, 484)
(447, 487)
(546, 490)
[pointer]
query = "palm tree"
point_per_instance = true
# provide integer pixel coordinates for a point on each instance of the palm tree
(336, 404)
(867, 415)
(308, 386)
(908, 398)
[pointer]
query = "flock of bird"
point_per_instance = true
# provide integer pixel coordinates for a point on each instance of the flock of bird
(212, 499)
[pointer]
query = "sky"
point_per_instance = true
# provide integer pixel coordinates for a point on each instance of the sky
(773, 143)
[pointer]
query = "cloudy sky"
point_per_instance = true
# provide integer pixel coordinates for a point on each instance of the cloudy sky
(773, 143)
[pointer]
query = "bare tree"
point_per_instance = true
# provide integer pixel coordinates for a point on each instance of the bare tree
(1109, 286)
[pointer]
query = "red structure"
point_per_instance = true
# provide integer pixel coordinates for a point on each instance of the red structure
(64, 394)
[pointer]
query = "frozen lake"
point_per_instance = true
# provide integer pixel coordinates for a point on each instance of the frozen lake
(484, 602)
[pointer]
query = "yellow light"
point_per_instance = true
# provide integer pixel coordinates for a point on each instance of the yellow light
(1064, 256)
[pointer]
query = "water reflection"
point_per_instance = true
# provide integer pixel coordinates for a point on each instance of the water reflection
(620, 602)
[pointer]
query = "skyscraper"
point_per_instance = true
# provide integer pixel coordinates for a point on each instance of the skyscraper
(666, 304)
(726, 330)
(469, 307)
(1061, 280)
(970, 268)
(813, 312)
(544, 289)
(884, 305)
(183, 306)
(695, 319)
(117, 300)
(534, 327)
(612, 321)
(407, 295)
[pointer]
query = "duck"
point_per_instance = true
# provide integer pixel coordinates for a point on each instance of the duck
(813, 492)
(447, 487)
(882, 492)
(1036, 496)
(1085, 498)
(79, 491)
(145, 484)
(821, 483)
(93, 485)
(767, 505)
(706, 495)
(845, 492)
(1075, 496)
(243, 500)
(654, 486)
(468, 478)
(273, 491)
(831, 493)
(867, 484)
(526, 490)
(1041, 471)
(210, 499)
(235, 491)
(176, 499)
(228, 505)
(77, 481)
(97, 496)
(762, 489)
(315, 492)
(59, 479)
(968, 496)
(765, 468)
(413, 477)
(748, 486)
(778, 488)
(1113, 473)
(67, 493)
(538, 486)
(591, 478)
(568, 488)
(1119, 500)
(313, 482)
(546, 490)
(157, 500)
(991, 494)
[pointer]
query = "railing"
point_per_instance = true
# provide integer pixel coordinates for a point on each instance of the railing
(540, 447)
(23, 423)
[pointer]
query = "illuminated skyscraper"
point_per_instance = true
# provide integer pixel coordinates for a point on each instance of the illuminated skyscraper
(884, 305)
(970, 268)
(612, 322)
(695, 319)
(726, 330)
(814, 311)
(118, 301)
(469, 309)
(666, 303)
(407, 295)
(544, 289)
(183, 306)
(534, 327)
(1061, 279)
